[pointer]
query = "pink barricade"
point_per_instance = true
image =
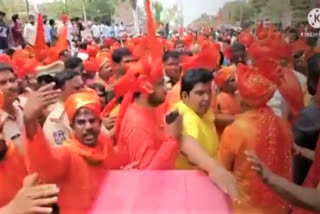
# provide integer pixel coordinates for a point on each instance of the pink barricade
(160, 192)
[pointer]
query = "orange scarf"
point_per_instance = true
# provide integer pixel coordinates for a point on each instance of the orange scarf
(95, 154)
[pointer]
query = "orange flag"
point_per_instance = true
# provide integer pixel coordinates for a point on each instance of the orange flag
(40, 43)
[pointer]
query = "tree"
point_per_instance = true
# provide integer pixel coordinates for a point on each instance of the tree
(236, 11)
(300, 9)
(275, 9)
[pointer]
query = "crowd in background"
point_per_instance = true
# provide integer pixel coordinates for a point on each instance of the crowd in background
(240, 105)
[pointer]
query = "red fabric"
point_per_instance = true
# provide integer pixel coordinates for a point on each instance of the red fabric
(254, 88)
(208, 58)
(246, 38)
(291, 89)
(160, 192)
(4, 58)
(93, 50)
(274, 153)
(77, 177)
(13, 170)
(154, 45)
(40, 45)
(61, 45)
(23, 67)
(142, 135)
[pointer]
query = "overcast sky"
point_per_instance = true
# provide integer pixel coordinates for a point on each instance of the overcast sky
(192, 9)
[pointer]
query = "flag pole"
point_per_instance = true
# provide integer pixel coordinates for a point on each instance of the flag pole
(28, 9)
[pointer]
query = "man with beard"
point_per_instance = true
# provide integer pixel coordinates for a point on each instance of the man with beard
(79, 166)
(11, 115)
(143, 132)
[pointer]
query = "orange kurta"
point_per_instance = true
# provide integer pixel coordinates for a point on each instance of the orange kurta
(77, 176)
(255, 197)
(142, 135)
(12, 173)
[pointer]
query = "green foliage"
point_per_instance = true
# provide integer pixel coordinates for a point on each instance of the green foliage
(275, 9)
(237, 11)
(158, 8)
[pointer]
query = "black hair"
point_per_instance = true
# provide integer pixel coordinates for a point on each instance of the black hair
(2, 13)
(72, 63)
(10, 52)
(98, 87)
(238, 47)
(193, 77)
(62, 77)
(119, 54)
(52, 22)
(313, 73)
(14, 17)
(5, 67)
(170, 54)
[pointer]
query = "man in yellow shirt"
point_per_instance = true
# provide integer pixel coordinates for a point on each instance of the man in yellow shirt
(199, 136)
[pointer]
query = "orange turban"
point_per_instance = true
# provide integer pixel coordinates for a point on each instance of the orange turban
(223, 75)
(254, 88)
(87, 99)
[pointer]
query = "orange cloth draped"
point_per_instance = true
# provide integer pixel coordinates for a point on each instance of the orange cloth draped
(12, 173)
(77, 173)
(291, 89)
(227, 103)
(262, 131)
(142, 135)
(271, 138)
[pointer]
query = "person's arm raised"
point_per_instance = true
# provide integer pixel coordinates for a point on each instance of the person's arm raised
(297, 195)
(36, 103)
(51, 163)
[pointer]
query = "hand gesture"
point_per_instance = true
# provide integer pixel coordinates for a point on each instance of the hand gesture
(297, 150)
(109, 122)
(39, 100)
(225, 181)
(34, 198)
(257, 165)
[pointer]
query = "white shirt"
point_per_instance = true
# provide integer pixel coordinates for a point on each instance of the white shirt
(95, 31)
(105, 31)
(29, 33)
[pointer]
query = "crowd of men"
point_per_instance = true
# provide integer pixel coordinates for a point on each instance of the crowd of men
(244, 111)
(17, 35)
